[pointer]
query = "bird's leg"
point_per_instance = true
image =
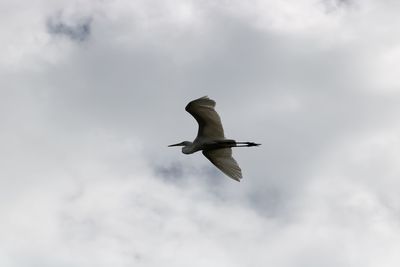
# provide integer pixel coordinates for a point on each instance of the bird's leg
(227, 143)
(246, 144)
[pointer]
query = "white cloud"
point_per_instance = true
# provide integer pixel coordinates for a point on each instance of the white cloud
(86, 178)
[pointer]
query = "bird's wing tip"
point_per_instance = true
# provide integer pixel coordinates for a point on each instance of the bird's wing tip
(203, 97)
(235, 176)
(200, 102)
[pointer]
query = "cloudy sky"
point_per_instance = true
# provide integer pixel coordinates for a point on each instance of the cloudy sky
(93, 91)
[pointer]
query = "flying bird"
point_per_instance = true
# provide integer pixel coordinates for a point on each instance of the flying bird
(211, 139)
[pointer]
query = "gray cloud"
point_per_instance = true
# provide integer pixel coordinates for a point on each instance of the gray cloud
(77, 31)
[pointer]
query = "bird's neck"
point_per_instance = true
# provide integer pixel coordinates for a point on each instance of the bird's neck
(189, 149)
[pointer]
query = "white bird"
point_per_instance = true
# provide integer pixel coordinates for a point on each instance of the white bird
(211, 139)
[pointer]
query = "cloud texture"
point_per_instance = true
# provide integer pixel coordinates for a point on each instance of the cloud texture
(94, 91)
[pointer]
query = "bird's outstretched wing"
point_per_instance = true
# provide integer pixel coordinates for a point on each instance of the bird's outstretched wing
(210, 126)
(223, 160)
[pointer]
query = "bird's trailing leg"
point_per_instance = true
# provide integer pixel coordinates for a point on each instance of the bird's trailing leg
(227, 143)
(246, 144)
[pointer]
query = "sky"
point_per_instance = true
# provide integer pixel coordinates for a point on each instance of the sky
(93, 91)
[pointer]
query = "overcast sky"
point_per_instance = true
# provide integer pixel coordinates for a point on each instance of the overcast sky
(93, 91)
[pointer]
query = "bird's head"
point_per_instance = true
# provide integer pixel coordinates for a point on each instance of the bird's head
(186, 149)
(184, 143)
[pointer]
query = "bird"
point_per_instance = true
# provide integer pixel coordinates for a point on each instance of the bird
(211, 138)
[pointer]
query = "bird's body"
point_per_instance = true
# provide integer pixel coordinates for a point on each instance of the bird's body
(211, 139)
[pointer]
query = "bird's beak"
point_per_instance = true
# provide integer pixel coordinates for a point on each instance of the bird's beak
(178, 144)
